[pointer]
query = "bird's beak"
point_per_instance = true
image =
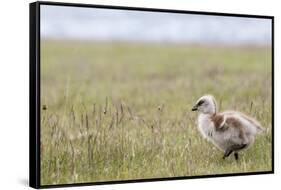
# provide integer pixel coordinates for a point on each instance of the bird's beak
(195, 108)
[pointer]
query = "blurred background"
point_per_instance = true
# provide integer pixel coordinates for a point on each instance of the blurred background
(58, 22)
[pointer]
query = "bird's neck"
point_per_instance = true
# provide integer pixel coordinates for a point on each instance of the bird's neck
(208, 115)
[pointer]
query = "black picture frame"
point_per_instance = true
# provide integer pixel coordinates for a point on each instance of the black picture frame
(34, 92)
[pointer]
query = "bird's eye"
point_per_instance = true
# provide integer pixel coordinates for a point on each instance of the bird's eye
(200, 102)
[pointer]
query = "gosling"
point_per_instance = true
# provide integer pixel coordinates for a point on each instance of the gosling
(230, 131)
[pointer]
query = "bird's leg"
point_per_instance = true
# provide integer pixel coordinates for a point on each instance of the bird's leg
(236, 155)
(227, 153)
(236, 148)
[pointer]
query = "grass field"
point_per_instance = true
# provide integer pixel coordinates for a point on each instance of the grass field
(119, 111)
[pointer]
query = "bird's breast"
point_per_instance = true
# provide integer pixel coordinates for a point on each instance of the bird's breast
(205, 126)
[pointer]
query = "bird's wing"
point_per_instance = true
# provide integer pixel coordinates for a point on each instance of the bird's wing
(219, 121)
(236, 124)
(251, 120)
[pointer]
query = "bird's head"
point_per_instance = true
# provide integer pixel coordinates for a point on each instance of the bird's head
(206, 104)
